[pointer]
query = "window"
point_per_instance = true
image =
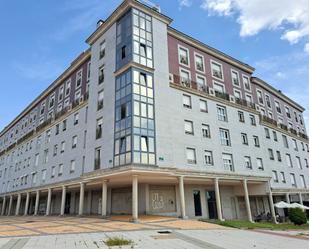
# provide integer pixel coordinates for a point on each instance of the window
(183, 56)
(235, 78)
(36, 160)
(97, 159)
(53, 172)
(55, 149)
(268, 103)
(57, 129)
(185, 78)
(76, 118)
(237, 94)
(271, 154)
(99, 128)
(64, 125)
(277, 105)
(298, 161)
(203, 106)
(246, 82)
(189, 127)
(267, 134)
(275, 176)
(199, 63)
(51, 101)
(282, 177)
(102, 49)
(259, 162)
(101, 75)
(191, 156)
(244, 138)
(123, 52)
(206, 130)
(60, 169)
(278, 156)
(208, 157)
(47, 137)
(285, 141)
(241, 116)
(248, 164)
(252, 120)
(295, 145)
(225, 137)
(72, 166)
(228, 162)
(289, 160)
(79, 76)
(100, 100)
(74, 142)
(260, 97)
(275, 136)
(302, 181)
(216, 70)
(45, 160)
(67, 88)
(306, 163)
(219, 88)
(60, 94)
(34, 175)
(88, 71)
(256, 141)
(186, 101)
(221, 112)
(62, 147)
(43, 175)
(293, 181)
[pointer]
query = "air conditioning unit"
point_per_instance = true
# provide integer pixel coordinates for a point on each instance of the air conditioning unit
(211, 91)
(232, 99)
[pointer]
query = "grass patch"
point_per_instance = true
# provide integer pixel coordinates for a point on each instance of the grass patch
(117, 241)
(240, 224)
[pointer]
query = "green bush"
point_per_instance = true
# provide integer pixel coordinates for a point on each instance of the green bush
(117, 241)
(297, 216)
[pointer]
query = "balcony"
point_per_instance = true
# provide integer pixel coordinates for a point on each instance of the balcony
(283, 127)
(268, 120)
(293, 131)
(222, 95)
(302, 135)
(188, 83)
(245, 103)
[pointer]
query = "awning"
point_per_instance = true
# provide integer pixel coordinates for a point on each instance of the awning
(297, 205)
(282, 204)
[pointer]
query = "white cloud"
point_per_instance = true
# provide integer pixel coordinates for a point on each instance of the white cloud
(292, 17)
(306, 49)
(184, 3)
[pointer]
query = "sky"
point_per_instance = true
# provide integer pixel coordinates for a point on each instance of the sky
(39, 40)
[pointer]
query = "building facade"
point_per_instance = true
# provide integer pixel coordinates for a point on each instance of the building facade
(151, 121)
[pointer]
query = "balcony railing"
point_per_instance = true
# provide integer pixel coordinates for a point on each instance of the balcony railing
(188, 83)
(293, 131)
(222, 95)
(302, 135)
(268, 120)
(244, 102)
(283, 127)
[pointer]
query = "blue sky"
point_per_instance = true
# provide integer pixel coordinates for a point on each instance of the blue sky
(41, 38)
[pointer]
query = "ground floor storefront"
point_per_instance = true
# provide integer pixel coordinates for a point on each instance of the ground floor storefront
(137, 191)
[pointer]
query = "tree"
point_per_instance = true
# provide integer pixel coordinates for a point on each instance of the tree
(297, 216)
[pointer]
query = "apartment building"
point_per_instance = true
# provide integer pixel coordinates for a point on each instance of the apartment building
(149, 120)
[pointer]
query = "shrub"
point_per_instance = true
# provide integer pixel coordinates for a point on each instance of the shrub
(117, 241)
(297, 216)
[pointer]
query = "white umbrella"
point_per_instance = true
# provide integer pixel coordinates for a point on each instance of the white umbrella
(297, 205)
(282, 204)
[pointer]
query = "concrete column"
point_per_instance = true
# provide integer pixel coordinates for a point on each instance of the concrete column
(135, 198)
(64, 193)
(3, 206)
(10, 205)
(81, 199)
(37, 201)
(104, 198)
(182, 197)
(147, 198)
(18, 204)
(49, 195)
(287, 198)
(27, 203)
(218, 199)
(272, 207)
(247, 201)
(300, 199)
